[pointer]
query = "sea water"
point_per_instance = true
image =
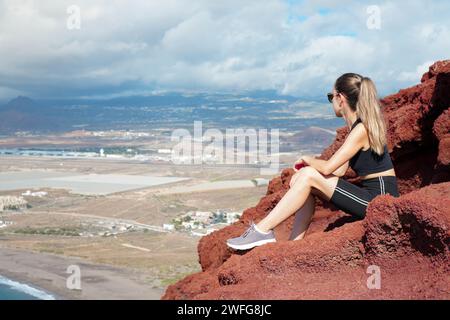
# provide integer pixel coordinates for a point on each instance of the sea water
(13, 290)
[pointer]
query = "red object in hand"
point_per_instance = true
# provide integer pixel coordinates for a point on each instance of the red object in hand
(299, 165)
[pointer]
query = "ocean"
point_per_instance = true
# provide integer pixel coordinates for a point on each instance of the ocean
(13, 290)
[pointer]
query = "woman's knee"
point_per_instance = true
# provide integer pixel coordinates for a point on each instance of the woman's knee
(309, 172)
(304, 175)
(293, 179)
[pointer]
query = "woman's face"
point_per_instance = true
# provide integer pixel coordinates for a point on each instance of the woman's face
(337, 104)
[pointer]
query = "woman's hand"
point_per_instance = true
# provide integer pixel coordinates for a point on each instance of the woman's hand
(302, 162)
(307, 160)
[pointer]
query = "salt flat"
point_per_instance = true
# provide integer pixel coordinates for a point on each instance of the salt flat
(88, 184)
(210, 186)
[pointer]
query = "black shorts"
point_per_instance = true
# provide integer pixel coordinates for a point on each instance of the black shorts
(353, 199)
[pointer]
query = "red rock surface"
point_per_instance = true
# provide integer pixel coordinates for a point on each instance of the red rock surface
(408, 237)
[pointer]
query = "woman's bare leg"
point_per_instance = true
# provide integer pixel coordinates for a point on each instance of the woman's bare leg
(303, 218)
(290, 203)
(305, 180)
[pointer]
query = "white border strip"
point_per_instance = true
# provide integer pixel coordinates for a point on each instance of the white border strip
(382, 189)
(352, 196)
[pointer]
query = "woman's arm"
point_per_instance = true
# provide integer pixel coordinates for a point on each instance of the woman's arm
(351, 145)
(319, 165)
(339, 172)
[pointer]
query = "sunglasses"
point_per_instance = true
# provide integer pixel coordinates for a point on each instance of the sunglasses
(330, 96)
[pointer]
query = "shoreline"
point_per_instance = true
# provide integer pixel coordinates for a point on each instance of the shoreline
(29, 291)
(47, 272)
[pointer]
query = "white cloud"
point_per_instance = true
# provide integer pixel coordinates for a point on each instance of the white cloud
(414, 75)
(297, 48)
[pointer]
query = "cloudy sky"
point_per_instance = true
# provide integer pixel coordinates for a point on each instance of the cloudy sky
(142, 47)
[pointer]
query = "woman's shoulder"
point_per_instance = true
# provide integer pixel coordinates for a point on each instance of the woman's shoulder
(360, 131)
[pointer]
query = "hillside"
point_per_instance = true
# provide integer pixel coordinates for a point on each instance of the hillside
(408, 237)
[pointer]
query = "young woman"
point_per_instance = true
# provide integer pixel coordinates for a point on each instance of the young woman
(354, 97)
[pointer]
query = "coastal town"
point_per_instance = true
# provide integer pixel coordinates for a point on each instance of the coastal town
(195, 223)
(200, 223)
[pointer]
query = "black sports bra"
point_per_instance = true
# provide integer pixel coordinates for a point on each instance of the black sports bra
(366, 162)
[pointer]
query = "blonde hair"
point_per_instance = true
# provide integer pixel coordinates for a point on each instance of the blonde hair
(362, 98)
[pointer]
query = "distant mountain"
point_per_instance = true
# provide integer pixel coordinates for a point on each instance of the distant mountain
(24, 114)
(312, 137)
(21, 103)
(165, 110)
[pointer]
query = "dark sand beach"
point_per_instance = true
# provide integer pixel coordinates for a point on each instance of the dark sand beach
(49, 273)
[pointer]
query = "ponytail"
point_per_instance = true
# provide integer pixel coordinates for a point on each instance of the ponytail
(368, 110)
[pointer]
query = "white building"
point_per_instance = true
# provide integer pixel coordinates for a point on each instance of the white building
(4, 224)
(39, 194)
(188, 225)
(232, 217)
(210, 230)
(260, 182)
(12, 203)
(202, 216)
(168, 227)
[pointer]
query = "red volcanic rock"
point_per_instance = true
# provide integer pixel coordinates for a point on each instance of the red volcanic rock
(441, 130)
(441, 126)
(407, 238)
(416, 134)
(414, 224)
(212, 249)
(435, 69)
